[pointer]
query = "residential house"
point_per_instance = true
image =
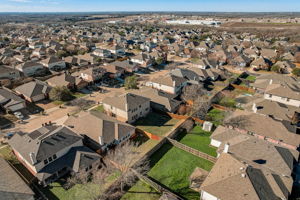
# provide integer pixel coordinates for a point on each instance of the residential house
(31, 68)
(7, 72)
(54, 63)
(51, 152)
(105, 132)
(114, 71)
(127, 65)
(143, 60)
(34, 91)
(159, 100)
(69, 81)
(92, 74)
(168, 83)
(283, 94)
(12, 186)
(9, 101)
(261, 63)
(102, 53)
(263, 81)
(279, 132)
(127, 107)
(202, 64)
(234, 177)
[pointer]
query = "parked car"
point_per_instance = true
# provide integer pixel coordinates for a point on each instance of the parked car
(19, 115)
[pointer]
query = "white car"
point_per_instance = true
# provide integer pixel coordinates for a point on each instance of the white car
(19, 115)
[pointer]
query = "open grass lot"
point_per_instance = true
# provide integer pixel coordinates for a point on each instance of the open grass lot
(141, 191)
(172, 167)
(215, 116)
(198, 139)
(156, 123)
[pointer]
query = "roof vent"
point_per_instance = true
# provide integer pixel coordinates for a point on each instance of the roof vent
(243, 175)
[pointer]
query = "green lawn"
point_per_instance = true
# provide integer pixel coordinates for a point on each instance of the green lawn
(56, 191)
(173, 167)
(251, 78)
(99, 108)
(198, 139)
(215, 116)
(156, 123)
(141, 191)
(78, 94)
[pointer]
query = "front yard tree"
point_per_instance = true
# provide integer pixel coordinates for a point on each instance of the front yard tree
(192, 92)
(296, 71)
(200, 107)
(60, 94)
(131, 82)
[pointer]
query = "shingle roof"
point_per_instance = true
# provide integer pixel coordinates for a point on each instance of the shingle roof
(12, 187)
(33, 88)
(43, 142)
(126, 101)
(103, 125)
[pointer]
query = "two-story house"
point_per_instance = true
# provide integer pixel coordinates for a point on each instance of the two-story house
(168, 83)
(127, 107)
(99, 130)
(51, 152)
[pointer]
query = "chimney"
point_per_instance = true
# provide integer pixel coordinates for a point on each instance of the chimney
(254, 108)
(101, 140)
(226, 148)
(33, 158)
(271, 81)
(116, 132)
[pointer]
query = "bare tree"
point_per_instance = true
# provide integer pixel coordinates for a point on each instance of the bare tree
(125, 158)
(192, 92)
(200, 107)
(81, 103)
(240, 121)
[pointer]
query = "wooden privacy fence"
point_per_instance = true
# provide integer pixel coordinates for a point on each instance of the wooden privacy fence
(192, 150)
(247, 89)
(155, 185)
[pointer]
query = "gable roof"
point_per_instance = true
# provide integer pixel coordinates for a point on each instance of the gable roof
(43, 142)
(33, 88)
(12, 187)
(126, 101)
(108, 127)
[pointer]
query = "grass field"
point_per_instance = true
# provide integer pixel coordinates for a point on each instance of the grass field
(172, 167)
(56, 192)
(141, 191)
(251, 78)
(156, 123)
(99, 108)
(198, 139)
(215, 116)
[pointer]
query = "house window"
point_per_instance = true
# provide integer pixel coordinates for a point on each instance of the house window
(50, 159)
(270, 95)
(54, 156)
(140, 106)
(288, 99)
(46, 162)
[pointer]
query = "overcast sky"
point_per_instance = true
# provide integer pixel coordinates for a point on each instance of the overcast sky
(153, 5)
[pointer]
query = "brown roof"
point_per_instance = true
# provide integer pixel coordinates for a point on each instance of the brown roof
(125, 101)
(103, 125)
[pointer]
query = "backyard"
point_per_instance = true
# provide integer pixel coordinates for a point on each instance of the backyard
(156, 123)
(198, 139)
(216, 116)
(171, 167)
